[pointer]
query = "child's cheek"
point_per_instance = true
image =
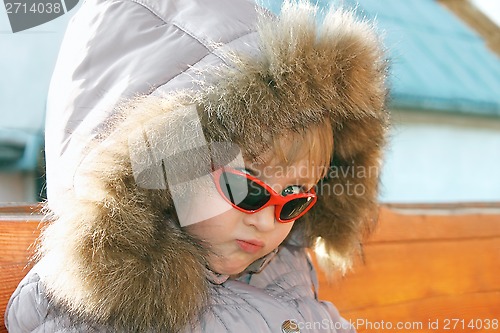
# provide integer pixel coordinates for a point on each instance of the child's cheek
(201, 208)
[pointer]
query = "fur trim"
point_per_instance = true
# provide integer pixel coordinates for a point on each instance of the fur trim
(121, 259)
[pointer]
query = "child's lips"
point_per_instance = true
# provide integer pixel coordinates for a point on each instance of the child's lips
(250, 246)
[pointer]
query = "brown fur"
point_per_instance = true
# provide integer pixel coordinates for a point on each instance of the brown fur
(119, 255)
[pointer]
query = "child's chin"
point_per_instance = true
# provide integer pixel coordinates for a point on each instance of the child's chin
(230, 270)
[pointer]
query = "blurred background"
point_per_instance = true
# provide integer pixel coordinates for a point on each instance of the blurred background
(444, 144)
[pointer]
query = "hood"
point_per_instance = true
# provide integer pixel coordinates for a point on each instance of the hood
(118, 253)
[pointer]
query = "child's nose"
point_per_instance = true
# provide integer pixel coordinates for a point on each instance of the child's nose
(263, 220)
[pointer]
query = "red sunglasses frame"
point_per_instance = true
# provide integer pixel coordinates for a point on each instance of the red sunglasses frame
(276, 199)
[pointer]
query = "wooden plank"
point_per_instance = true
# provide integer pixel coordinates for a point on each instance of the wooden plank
(449, 206)
(477, 20)
(17, 239)
(403, 272)
(16, 209)
(11, 274)
(452, 206)
(407, 225)
(450, 313)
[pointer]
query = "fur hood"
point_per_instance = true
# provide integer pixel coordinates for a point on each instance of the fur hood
(118, 254)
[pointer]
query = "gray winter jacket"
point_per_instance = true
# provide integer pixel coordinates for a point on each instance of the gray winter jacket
(113, 257)
(283, 294)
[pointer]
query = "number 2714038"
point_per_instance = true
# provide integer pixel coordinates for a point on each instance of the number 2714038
(33, 8)
(477, 324)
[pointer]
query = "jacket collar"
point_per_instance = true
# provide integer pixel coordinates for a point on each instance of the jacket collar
(254, 267)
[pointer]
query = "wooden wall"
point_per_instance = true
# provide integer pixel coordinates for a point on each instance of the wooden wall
(425, 266)
(19, 227)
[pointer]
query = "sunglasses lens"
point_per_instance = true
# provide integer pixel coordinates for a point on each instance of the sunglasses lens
(294, 208)
(243, 192)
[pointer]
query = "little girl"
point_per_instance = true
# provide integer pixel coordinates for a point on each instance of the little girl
(193, 210)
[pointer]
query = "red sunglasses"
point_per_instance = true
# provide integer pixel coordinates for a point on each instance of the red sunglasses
(250, 195)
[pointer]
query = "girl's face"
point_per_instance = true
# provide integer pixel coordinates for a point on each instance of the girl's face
(235, 239)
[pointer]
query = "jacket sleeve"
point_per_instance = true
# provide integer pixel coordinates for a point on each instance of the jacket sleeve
(27, 307)
(30, 311)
